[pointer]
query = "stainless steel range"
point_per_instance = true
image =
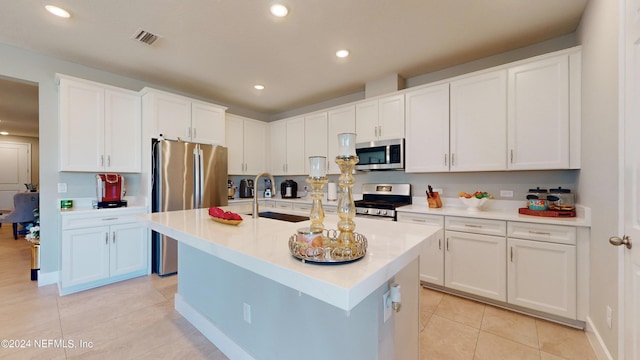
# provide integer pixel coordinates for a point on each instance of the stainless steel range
(381, 200)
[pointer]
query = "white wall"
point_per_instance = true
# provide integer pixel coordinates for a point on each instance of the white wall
(598, 183)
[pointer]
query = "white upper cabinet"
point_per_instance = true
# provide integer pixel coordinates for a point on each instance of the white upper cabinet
(207, 123)
(287, 147)
(478, 128)
(521, 116)
(179, 117)
(340, 120)
(100, 127)
(539, 115)
(380, 119)
(315, 137)
(246, 144)
(427, 141)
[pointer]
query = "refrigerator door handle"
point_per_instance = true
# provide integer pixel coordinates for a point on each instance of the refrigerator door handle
(199, 178)
(196, 177)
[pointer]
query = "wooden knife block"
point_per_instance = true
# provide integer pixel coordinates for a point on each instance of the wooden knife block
(434, 201)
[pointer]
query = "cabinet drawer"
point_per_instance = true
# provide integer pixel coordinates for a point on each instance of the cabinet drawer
(435, 220)
(542, 232)
(302, 207)
(101, 219)
(284, 205)
(333, 210)
(267, 204)
(476, 226)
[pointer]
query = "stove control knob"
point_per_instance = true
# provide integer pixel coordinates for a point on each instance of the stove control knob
(365, 211)
(384, 212)
(378, 212)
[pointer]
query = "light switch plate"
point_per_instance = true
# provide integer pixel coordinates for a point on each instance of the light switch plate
(506, 193)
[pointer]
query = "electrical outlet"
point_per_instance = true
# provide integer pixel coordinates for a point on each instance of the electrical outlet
(609, 317)
(506, 193)
(62, 187)
(246, 313)
(386, 305)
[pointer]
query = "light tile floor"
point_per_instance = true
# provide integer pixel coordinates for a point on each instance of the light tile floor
(135, 319)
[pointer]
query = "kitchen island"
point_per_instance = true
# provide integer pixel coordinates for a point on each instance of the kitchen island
(242, 289)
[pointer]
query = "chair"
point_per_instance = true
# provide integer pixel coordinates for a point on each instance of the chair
(24, 204)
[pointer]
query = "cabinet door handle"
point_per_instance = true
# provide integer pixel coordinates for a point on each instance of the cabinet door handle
(440, 244)
(511, 248)
(539, 232)
(445, 159)
(194, 133)
(106, 238)
(419, 220)
(101, 160)
(473, 225)
(453, 159)
(511, 156)
(110, 219)
(108, 160)
(113, 239)
(447, 244)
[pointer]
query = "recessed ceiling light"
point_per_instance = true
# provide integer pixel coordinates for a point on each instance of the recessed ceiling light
(342, 53)
(57, 11)
(279, 10)
(4, 133)
(258, 87)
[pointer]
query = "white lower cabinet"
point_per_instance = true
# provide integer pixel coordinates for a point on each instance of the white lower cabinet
(98, 250)
(432, 256)
(542, 268)
(526, 265)
(476, 264)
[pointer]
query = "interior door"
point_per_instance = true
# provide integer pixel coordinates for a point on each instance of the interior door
(630, 77)
(15, 162)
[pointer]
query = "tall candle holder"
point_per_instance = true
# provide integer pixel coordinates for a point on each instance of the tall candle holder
(346, 160)
(317, 179)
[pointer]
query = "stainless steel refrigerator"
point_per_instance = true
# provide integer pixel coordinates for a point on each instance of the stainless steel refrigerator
(185, 176)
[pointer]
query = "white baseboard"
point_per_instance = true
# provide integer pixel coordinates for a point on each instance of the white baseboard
(602, 353)
(48, 278)
(210, 331)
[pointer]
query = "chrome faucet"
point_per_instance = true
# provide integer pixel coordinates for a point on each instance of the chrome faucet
(255, 192)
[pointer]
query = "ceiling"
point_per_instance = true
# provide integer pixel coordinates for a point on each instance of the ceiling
(218, 49)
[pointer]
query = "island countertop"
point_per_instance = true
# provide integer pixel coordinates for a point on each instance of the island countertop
(261, 246)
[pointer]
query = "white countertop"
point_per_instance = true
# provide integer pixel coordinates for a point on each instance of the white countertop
(261, 246)
(494, 209)
(82, 206)
(582, 218)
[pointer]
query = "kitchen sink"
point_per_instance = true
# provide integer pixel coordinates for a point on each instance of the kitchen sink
(283, 217)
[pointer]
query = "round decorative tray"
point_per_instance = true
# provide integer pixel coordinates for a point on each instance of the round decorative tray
(332, 250)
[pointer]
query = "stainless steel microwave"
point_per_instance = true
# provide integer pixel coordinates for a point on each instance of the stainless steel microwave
(381, 155)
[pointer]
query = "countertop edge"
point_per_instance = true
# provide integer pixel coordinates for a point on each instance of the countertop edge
(340, 297)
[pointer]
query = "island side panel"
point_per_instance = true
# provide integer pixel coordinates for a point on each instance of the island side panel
(286, 323)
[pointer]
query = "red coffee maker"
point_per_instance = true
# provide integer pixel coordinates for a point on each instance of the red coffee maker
(110, 190)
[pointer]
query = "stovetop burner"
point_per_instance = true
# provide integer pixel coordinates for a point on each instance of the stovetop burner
(383, 199)
(380, 204)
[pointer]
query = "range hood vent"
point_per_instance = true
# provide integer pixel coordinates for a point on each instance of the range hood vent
(144, 36)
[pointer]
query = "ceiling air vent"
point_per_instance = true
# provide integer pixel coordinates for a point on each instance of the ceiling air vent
(144, 36)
